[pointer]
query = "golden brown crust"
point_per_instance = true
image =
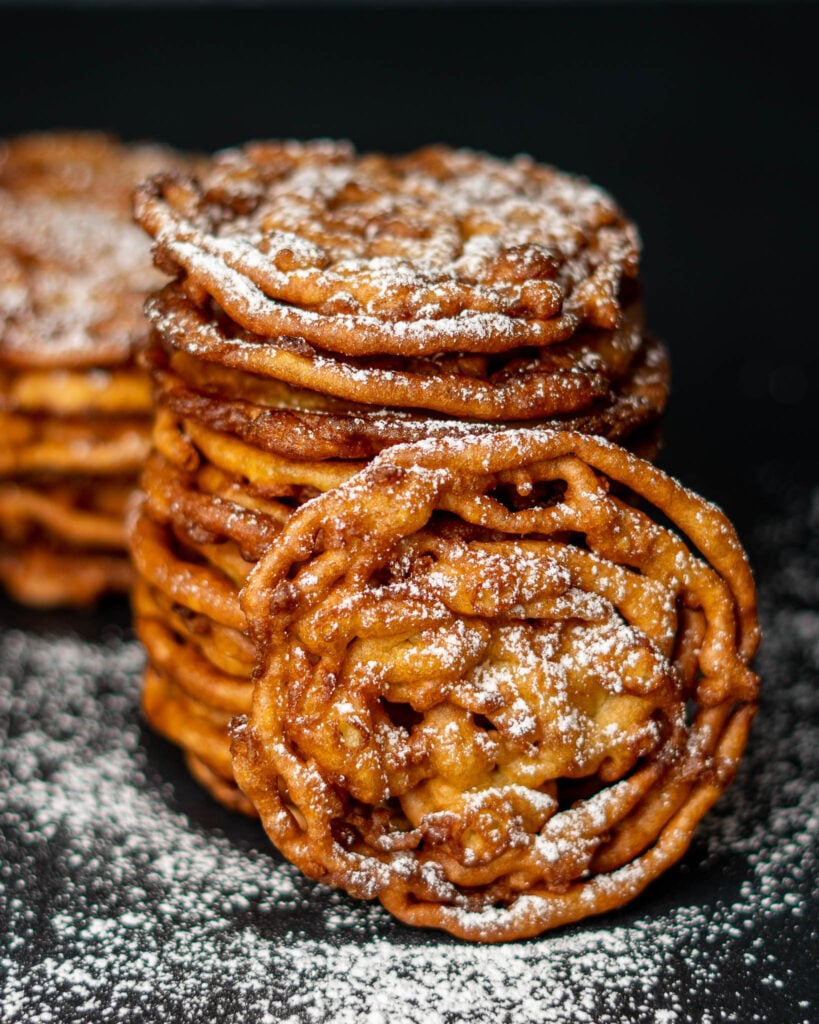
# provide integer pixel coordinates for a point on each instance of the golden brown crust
(223, 790)
(474, 670)
(300, 426)
(80, 513)
(525, 386)
(118, 391)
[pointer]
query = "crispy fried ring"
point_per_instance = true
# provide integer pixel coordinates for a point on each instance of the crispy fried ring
(74, 269)
(228, 273)
(197, 728)
(199, 588)
(210, 515)
(71, 166)
(113, 392)
(40, 444)
(536, 389)
(44, 576)
(350, 608)
(361, 432)
(439, 250)
(57, 511)
(227, 649)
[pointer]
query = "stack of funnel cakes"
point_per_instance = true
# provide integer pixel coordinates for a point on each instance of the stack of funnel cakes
(324, 307)
(387, 534)
(74, 408)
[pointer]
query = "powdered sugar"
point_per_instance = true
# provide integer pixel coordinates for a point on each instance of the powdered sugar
(121, 900)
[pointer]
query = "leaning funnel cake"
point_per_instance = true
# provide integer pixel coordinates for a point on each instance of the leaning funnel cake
(325, 306)
(490, 692)
(75, 409)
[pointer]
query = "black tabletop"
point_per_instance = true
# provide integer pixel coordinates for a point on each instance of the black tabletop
(125, 893)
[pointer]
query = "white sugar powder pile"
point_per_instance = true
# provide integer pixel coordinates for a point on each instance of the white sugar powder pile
(117, 905)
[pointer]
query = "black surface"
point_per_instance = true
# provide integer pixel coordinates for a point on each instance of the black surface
(701, 121)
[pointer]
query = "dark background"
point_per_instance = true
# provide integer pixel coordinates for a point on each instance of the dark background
(699, 119)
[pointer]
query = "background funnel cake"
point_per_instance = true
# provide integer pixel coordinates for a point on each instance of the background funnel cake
(74, 407)
(491, 692)
(326, 306)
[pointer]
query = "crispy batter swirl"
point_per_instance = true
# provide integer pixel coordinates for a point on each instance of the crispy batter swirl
(437, 251)
(492, 693)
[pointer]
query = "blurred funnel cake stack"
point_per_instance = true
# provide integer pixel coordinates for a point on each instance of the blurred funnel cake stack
(74, 408)
(326, 306)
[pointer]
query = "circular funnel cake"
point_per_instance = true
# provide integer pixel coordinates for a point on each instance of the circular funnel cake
(491, 692)
(444, 280)
(438, 251)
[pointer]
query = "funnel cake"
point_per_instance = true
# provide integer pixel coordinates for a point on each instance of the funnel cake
(225, 475)
(445, 281)
(74, 407)
(212, 506)
(519, 385)
(302, 424)
(437, 251)
(490, 692)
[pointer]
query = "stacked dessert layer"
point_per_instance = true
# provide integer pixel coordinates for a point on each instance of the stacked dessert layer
(74, 408)
(491, 691)
(326, 306)
(398, 592)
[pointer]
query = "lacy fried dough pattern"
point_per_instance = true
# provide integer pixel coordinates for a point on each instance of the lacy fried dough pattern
(436, 251)
(445, 281)
(234, 455)
(490, 692)
(523, 385)
(298, 424)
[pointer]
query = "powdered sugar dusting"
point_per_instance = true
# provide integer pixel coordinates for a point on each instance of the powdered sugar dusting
(118, 904)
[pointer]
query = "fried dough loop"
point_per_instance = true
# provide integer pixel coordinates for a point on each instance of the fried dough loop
(310, 425)
(518, 385)
(212, 506)
(474, 670)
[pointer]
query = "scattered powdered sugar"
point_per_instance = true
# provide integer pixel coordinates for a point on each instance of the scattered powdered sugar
(125, 896)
